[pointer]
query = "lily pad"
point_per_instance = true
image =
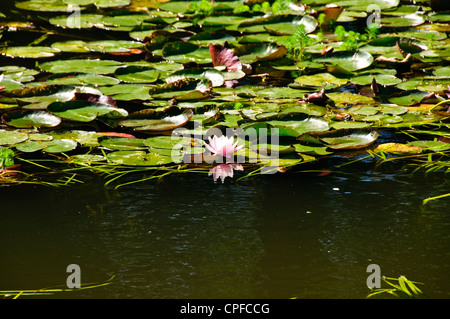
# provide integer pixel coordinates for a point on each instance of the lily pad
(348, 60)
(137, 74)
(12, 137)
(183, 52)
(183, 89)
(85, 111)
(31, 119)
(90, 66)
(349, 139)
(216, 77)
(158, 121)
(122, 143)
(320, 80)
(29, 52)
(138, 158)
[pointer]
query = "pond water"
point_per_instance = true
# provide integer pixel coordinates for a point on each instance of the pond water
(303, 236)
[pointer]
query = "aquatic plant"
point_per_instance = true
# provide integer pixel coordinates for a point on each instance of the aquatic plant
(401, 287)
(6, 158)
(223, 146)
(297, 68)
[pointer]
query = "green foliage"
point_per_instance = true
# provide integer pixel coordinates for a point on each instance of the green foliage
(401, 288)
(203, 8)
(242, 8)
(297, 43)
(6, 157)
(352, 39)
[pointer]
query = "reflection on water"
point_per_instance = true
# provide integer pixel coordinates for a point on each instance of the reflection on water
(271, 237)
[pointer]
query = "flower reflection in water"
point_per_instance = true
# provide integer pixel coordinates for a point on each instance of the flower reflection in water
(222, 171)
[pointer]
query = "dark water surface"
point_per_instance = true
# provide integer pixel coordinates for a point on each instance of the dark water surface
(299, 235)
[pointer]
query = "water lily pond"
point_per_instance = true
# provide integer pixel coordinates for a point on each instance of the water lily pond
(225, 149)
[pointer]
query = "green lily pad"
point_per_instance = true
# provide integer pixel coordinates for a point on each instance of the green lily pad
(44, 6)
(120, 46)
(122, 143)
(138, 158)
(408, 98)
(158, 121)
(320, 80)
(59, 146)
(83, 21)
(348, 60)
(84, 111)
(216, 77)
(52, 146)
(12, 137)
(31, 119)
(183, 52)
(346, 99)
(90, 66)
(127, 92)
(137, 74)
(349, 139)
(183, 89)
(82, 79)
(382, 79)
(434, 146)
(311, 124)
(409, 20)
(29, 52)
(75, 46)
(259, 52)
(10, 85)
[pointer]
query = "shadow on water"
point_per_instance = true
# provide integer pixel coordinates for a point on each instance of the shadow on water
(298, 235)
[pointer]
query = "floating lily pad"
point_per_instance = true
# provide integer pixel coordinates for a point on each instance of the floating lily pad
(31, 119)
(216, 77)
(434, 146)
(320, 80)
(127, 92)
(80, 21)
(311, 124)
(84, 111)
(158, 121)
(348, 60)
(90, 66)
(29, 52)
(108, 46)
(260, 52)
(398, 148)
(45, 6)
(409, 20)
(59, 146)
(138, 158)
(408, 98)
(122, 143)
(12, 137)
(348, 139)
(183, 89)
(76, 46)
(183, 52)
(137, 74)
(82, 79)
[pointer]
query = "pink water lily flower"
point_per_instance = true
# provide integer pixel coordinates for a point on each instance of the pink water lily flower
(223, 146)
(222, 171)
